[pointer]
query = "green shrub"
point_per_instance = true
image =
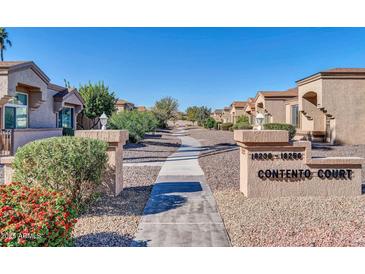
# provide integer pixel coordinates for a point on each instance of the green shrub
(279, 126)
(35, 216)
(242, 119)
(71, 165)
(137, 123)
(68, 131)
(226, 126)
(209, 123)
(242, 125)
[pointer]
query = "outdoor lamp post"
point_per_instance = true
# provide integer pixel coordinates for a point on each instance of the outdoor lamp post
(103, 121)
(259, 120)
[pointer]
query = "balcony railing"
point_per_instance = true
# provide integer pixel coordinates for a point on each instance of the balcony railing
(6, 142)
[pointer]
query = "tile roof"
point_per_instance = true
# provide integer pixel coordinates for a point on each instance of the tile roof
(239, 104)
(293, 92)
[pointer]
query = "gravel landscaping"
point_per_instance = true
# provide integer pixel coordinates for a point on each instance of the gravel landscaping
(155, 147)
(306, 221)
(113, 221)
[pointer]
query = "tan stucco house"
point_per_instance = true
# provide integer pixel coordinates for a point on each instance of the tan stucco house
(331, 105)
(217, 115)
(123, 105)
(31, 107)
(272, 104)
(250, 110)
(237, 110)
(226, 115)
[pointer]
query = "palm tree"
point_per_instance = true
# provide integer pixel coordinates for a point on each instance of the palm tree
(3, 42)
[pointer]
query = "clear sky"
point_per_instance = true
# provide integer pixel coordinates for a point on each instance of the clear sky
(198, 66)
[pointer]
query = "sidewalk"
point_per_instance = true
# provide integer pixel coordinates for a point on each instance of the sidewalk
(181, 210)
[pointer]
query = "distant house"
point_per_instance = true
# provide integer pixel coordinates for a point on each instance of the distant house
(272, 104)
(250, 110)
(123, 105)
(31, 107)
(226, 115)
(142, 108)
(217, 115)
(237, 110)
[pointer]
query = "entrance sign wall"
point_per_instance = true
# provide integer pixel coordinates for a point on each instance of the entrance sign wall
(270, 166)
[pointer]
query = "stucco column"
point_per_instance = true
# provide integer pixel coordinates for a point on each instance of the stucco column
(113, 177)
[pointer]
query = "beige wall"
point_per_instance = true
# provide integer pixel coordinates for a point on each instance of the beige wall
(24, 136)
(43, 116)
(237, 112)
(343, 99)
(273, 106)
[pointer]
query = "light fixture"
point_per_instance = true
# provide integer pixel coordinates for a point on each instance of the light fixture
(259, 120)
(103, 121)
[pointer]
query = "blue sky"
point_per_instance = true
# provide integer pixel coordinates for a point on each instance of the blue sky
(198, 66)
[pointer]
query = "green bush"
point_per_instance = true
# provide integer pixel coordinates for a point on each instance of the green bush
(226, 126)
(279, 126)
(209, 123)
(71, 165)
(242, 125)
(68, 131)
(137, 123)
(242, 119)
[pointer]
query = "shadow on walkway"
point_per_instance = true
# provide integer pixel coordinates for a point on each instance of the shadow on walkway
(165, 196)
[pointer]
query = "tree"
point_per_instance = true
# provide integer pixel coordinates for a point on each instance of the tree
(3, 42)
(192, 113)
(165, 109)
(98, 99)
(202, 115)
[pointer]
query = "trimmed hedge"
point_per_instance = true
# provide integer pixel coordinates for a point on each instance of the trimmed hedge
(72, 165)
(279, 126)
(242, 125)
(137, 123)
(35, 216)
(226, 126)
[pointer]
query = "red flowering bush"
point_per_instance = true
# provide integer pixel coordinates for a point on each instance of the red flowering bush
(35, 216)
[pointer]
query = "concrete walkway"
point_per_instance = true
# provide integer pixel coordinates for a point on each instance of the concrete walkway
(181, 210)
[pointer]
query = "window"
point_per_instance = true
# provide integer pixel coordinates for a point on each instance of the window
(66, 118)
(294, 116)
(16, 112)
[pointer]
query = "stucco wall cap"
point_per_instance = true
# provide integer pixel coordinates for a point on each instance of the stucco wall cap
(261, 136)
(110, 136)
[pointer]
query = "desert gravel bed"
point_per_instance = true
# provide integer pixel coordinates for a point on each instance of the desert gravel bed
(113, 221)
(155, 147)
(306, 221)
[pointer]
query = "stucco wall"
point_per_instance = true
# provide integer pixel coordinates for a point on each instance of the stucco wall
(277, 110)
(44, 116)
(344, 99)
(24, 136)
(27, 77)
